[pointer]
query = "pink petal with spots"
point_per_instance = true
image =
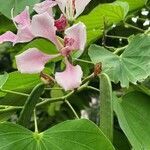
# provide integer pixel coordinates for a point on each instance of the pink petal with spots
(23, 19)
(80, 6)
(70, 78)
(42, 25)
(8, 37)
(45, 6)
(32, 61)
(76, 37)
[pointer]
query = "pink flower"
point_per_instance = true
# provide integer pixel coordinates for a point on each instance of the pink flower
(70, 8)
(33, 60)
(41, 25)
(45, 6)
(70, 78)
(61, 23)
(24, 34)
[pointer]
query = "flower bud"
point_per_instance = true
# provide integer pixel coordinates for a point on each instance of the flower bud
(61, 23)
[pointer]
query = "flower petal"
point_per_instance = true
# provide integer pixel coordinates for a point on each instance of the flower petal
(70, 78)
(23, 19)
(8, 37)
(76, 33)
(62, 5)
(32, 61)
(24, 35)
(42, 25)
(45, 6)
(80, 6)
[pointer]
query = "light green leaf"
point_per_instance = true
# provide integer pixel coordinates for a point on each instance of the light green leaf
(18, 5)
(3, 79)
(133, 112)
(111, 13)
(132, 66)
(135, 4)
(106, 106)
(75, 135)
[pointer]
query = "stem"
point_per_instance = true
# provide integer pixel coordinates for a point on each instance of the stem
(88, 78)
(120, 49)
(17, 93)
(81, 60)
(76, 115)
(93, 88)
(63, 98)
(134, 27)
(14, 92)
(35, 122)
(106, 106)
(53, 88)
(116, 37)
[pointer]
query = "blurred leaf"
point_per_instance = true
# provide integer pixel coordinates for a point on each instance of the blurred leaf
(133, 65)
(18, 5)
(6, 113)
(6, 24)
(77, 134)
(135, 4)
(3, 79)
(133, 112)
(110, 13)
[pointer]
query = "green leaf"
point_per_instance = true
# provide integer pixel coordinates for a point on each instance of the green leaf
(133, 112)
(106, 106)
(27, 111)
(3, 79)
(6, 24)
(132, 66)
(76, 135)
(110, 13)
(20, 83)
(135, 4)
(18, 5)
(42, 44)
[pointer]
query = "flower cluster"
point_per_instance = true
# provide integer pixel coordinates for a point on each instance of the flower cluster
(44, 25)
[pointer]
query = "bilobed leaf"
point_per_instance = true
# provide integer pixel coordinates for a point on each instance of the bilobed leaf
(76, 135)
(132, 66)
(133, 111)
(110, 13)
(18, 5)
(135, 4)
